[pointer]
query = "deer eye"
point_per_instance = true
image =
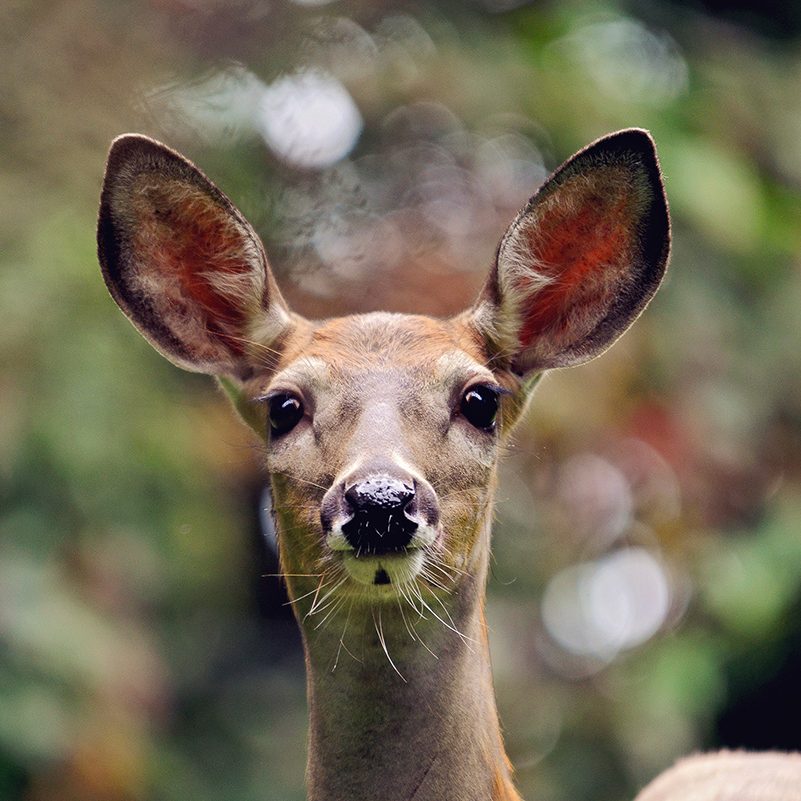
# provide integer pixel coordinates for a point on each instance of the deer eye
(285, 412)
(480, 406)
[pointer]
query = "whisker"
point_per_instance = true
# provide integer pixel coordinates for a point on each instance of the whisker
(412, 634)
(467, 640)
(447, 569)
(442, 569)
(434, 581)
(415, 634)
(317, 604)
(450, 493)
(307, 594)
(338, 604)
(448, 615)
(415, 591)
(291, 575)
(379, 630)
(342, 639)
(449, 553)
(310, 483)
(322, 605)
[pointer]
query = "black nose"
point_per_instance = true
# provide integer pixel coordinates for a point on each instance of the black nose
(380, 523)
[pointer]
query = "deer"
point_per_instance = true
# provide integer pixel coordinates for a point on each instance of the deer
(382, 434)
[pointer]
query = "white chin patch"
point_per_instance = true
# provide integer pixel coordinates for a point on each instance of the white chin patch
(384, 570)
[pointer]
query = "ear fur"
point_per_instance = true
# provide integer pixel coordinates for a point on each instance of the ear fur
(183, 263)
(581, 260)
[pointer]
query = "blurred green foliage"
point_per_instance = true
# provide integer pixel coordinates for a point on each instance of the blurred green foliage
(143, 655)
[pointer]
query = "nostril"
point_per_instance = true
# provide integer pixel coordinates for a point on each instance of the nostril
(411, 507)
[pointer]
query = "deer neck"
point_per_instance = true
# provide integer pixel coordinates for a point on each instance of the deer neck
(422, 726)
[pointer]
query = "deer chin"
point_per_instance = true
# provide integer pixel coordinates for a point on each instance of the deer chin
(384, 573)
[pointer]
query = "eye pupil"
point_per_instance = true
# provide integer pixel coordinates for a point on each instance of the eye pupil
(480, 407)
(286, 412)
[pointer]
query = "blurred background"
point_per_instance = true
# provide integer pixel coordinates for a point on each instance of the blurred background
(645, 597)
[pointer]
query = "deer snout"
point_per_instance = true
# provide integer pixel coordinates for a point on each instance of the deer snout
(380, 510)
(381, 519)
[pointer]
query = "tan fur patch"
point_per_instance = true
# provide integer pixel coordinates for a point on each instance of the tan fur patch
(370, 340)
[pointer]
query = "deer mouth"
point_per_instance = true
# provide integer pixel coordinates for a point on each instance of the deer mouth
(382, 564)
(385, 571)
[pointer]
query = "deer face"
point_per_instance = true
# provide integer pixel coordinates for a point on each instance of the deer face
(382, 438)
(382, 430)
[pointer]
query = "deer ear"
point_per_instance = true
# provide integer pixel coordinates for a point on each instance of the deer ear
(582, 259)
(183, 263)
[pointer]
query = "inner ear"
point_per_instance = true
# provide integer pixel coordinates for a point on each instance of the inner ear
(194, 257)
(575, 252)
(182, 262)
(581, 260)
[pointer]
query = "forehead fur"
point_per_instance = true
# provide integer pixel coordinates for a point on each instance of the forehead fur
(368, 341)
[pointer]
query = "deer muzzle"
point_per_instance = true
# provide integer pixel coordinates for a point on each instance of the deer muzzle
(381, 517)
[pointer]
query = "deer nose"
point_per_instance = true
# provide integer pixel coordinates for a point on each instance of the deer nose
(380, 522)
